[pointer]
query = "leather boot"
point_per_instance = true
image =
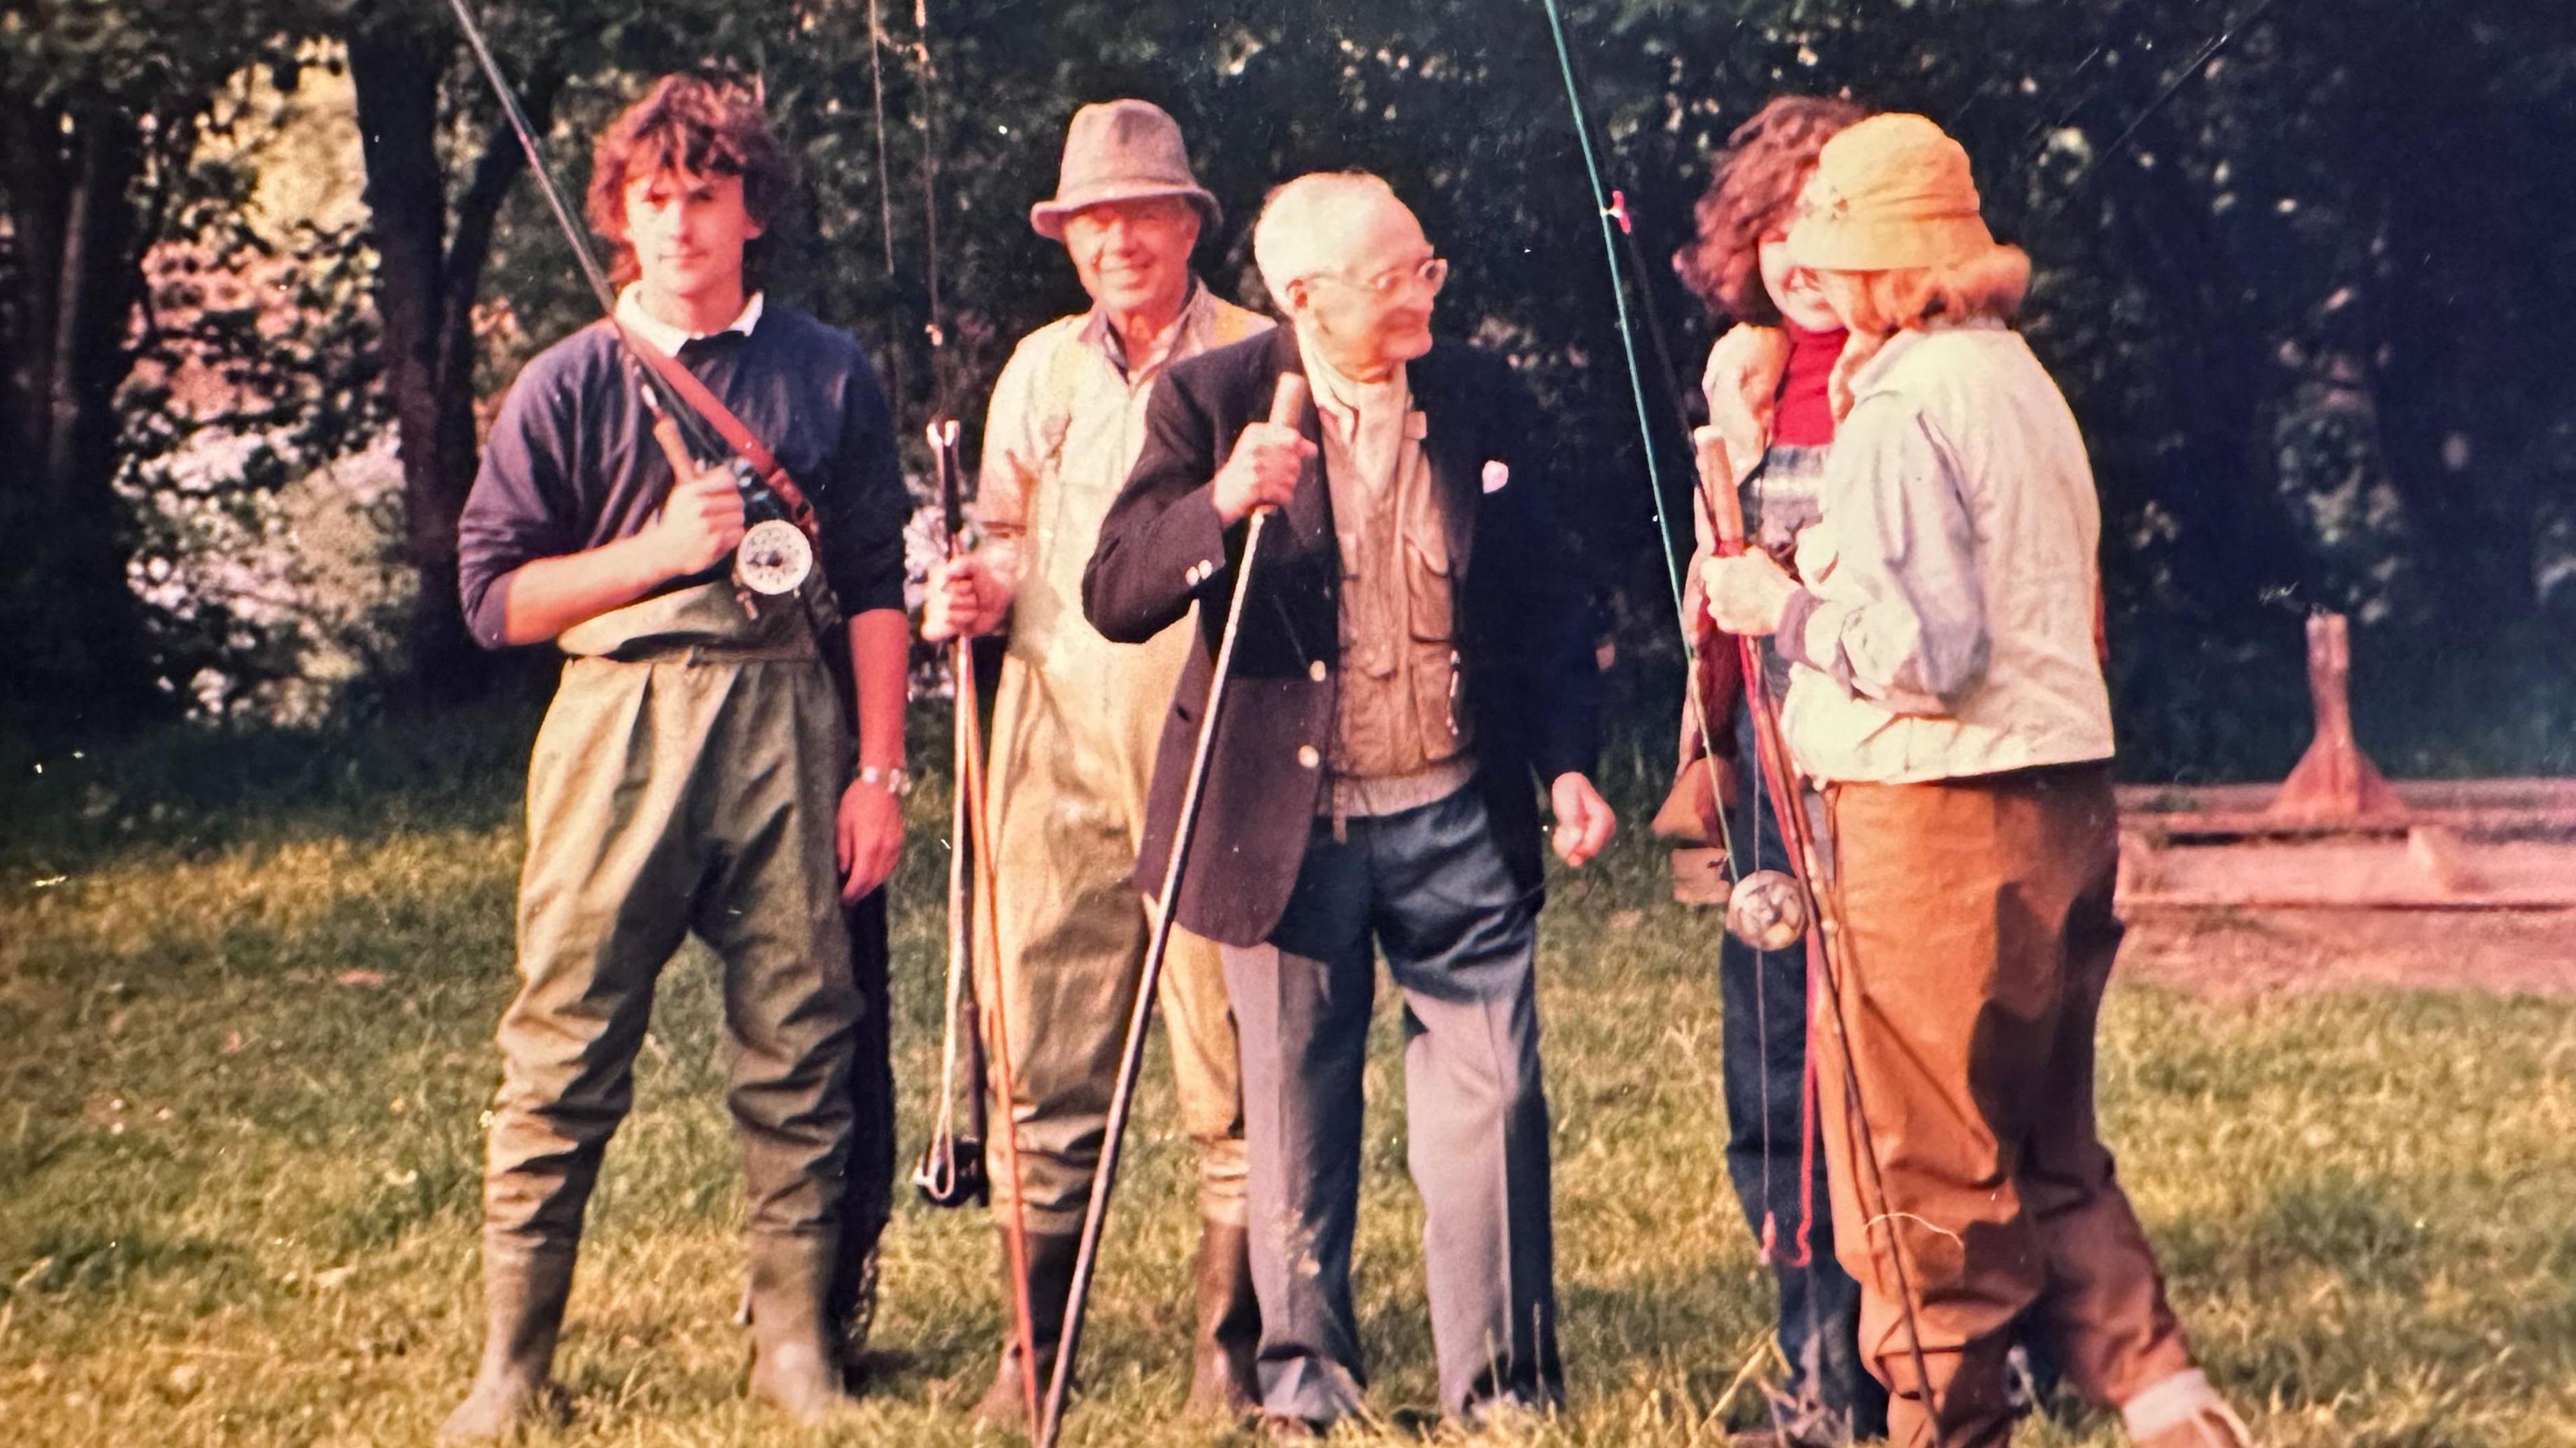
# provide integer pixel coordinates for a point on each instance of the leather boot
(524, 1292)
(1228, 1339)
(1051, 1257)
(793, 1366)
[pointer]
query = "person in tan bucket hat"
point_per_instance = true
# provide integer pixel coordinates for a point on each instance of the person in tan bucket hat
(1891, 191)
(1947, 696)
(1074, 729)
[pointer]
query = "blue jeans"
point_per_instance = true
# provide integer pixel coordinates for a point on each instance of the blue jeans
(1427, 886)
(1829, 1396)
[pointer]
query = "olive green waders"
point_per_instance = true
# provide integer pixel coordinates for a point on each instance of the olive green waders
(686, 778)
(1073, 754)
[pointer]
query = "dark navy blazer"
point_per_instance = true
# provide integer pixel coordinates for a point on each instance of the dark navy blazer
(1525, 650)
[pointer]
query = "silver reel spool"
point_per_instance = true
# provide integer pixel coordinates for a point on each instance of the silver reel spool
(773, 558)
(1767, 910)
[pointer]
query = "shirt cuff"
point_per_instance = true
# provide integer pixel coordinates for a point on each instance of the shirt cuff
(1192, 526)
(1790, 640)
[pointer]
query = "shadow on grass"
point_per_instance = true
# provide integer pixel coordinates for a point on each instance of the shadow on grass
(94, 1260)
(193, 789)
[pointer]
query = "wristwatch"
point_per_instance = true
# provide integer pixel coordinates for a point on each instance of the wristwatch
(896, 781)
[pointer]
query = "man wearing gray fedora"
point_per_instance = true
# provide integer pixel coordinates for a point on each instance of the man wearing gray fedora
(1074, 733)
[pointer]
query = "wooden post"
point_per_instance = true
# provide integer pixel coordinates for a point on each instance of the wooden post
(2334, 780)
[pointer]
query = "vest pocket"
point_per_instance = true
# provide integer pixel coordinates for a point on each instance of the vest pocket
(1430, 603)
(1431, 615)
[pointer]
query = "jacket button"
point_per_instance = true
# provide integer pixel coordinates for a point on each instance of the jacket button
(1308, 757)
(1315, 671)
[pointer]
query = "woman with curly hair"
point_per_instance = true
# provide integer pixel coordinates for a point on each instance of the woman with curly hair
(1767, 403)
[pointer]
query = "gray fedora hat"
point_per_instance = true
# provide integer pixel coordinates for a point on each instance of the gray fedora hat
(1121, 151)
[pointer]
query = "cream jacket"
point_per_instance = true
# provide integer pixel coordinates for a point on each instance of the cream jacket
(1953, 636)
(1066, 422)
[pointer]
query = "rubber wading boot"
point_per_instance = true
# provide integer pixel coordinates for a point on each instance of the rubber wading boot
(1228, 1340)
(793, 1366)
(850, 1308)
(1051, 1257)
(524, 1291)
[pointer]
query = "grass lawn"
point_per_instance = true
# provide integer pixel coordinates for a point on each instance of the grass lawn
(247, 990)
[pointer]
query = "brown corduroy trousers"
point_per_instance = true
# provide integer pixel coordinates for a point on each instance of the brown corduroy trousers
(1976, 936)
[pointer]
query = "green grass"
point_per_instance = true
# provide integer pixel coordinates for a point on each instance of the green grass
(247, 988)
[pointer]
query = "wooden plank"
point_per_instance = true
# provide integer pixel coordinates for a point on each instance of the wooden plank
(2443, 859)
(2541, 794)
(2213, 825)
(2437, 874)
(2471, 807)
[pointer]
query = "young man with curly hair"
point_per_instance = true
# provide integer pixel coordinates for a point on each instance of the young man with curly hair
(695, 772)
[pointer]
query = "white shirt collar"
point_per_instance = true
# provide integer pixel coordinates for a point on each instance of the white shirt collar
(631, 314)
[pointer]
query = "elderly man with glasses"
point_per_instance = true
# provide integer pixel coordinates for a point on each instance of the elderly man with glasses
(1413, 667)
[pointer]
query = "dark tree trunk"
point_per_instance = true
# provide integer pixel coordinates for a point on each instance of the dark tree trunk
(427, 279)
(79, 649)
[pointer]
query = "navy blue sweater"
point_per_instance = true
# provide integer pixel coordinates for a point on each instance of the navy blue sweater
(571, 463)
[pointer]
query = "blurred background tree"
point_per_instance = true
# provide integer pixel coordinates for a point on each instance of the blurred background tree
(102, 111)
(2296, 263)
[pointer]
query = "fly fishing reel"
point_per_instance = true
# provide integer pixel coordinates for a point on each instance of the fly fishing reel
(775, 556)
(1767, 910)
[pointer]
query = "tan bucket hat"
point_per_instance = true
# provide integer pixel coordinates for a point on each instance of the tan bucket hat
(1890, 191)
(1121, 151)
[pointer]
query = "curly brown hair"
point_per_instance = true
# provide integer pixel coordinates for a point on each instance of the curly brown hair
(702, 123)
(1752, 188)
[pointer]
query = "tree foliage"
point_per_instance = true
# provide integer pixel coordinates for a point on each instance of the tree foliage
(2294, 259)
(101, 109)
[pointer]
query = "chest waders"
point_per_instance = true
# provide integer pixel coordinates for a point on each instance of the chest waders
(685, 781)
(1076, 724)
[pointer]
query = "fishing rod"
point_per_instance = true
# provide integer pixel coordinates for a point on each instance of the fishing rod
(977, 836)
(1287, 406)
(951, 1172)
(1767, 742)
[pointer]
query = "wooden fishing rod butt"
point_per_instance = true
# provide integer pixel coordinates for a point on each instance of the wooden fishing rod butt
(1718, 503)
(1288, 402)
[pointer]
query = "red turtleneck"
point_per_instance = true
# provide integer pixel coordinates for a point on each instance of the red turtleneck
(1805, 417)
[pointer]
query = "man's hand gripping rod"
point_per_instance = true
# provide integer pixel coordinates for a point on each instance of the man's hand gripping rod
(1287, 405)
